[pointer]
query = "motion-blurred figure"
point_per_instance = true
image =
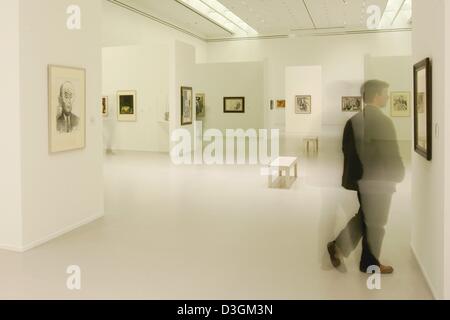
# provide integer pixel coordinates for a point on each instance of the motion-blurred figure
(372, 167)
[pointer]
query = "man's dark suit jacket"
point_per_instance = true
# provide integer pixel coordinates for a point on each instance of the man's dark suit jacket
(353, 168)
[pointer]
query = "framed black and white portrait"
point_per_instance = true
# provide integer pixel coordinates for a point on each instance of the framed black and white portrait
(351, 104)
(234, 105)
(303, 104)
(186, 106)
(400, 104)
(200, 105)
(423, 108)
(67, 108)
(126, 106)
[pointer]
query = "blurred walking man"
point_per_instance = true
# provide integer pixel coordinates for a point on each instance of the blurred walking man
(372, 167)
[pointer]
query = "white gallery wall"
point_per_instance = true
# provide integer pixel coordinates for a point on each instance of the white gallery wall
(145, 69)
(62, 191)
(428, 177)
(10, 163)
(182, 74)
(126, 29)
(219, 80)
(341, 58)
(304, 80)
(447, 157)
(122, 27)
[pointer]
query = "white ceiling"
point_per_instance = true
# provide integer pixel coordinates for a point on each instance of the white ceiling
(269, 17)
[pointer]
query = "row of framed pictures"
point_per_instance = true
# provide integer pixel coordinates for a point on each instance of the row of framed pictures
(126, 106)
(67, 107)
(400, 104)
(230, 105)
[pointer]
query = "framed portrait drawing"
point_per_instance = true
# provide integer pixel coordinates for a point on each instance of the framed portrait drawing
(400, 104)
(281, 104)
(126, 106)
(200, 105)
(303, 105)
(234, 105)
(271, 104)
(423, 108)
(67, 108)
(187, 116)
(105, 106)
(351, 104)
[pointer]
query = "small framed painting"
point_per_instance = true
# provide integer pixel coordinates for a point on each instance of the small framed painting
(67, 108)
(303, 104)
(105, 106)
(351, 104)
(126, 106)
(423, 108)
(200, 105)
(271, 104)
(234, 105)
(281, 104)
(400, 104)
(186, 106)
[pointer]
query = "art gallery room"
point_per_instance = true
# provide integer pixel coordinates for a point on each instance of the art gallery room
(225, 149)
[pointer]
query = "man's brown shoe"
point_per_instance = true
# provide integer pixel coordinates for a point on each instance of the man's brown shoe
(332, 250)
(383, 269)
(386, 269)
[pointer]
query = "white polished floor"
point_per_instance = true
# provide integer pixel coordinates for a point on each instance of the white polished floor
(198, 232)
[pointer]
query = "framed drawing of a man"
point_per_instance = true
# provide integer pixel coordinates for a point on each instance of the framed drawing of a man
(423, 109)
(67, 108)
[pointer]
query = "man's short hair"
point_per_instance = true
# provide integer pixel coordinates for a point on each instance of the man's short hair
(370, 89)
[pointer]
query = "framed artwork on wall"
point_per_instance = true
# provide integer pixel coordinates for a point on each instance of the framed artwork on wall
(271, 104)
(67, 108)
(105, 106)
(234, 105)
(126, 106)
(400, 104)
(200, 105)
(303, 104)
(423, 108)
(281, 104)
(351, 104)
(186, 106)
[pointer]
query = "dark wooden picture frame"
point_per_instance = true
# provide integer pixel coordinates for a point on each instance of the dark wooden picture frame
(423, 100)
(242, 100)
(190, 106)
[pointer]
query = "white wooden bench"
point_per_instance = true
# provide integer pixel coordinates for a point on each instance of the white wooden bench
(286, 164)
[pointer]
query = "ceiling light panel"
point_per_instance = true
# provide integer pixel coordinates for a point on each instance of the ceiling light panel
(397, 14)
(271, 17)
(217, 12)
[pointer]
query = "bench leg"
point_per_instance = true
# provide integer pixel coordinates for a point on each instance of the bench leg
(287, 179)
(270, 178)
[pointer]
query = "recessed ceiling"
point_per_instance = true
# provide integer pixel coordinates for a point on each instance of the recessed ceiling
(274, 17)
